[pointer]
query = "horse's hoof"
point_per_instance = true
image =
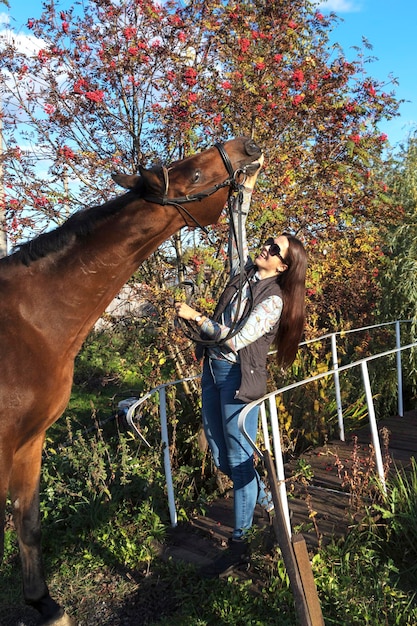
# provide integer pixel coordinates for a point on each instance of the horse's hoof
(61, 620)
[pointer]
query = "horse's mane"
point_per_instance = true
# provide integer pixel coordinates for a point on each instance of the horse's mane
(80, 224)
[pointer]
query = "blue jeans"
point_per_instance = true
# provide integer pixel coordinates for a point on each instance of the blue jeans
(232, 454)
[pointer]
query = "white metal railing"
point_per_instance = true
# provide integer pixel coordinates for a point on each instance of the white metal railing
(161, 390)
(270, 400)
(336, 369)
(273, 415)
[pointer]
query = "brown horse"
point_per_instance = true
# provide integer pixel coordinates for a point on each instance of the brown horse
(53, 290)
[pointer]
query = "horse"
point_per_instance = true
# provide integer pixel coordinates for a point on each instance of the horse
(53, 290)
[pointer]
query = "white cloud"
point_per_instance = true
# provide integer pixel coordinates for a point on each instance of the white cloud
(28, 44)
(4, 18)
(340, 6)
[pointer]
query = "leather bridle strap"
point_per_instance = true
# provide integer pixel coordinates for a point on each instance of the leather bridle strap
(228, 164)
(180, 201)
(235, 187)
(229, 182)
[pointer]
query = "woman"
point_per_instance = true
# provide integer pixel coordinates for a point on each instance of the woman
(234, 370)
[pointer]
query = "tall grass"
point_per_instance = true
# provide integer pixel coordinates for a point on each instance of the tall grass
(395, 529)
(105, 524)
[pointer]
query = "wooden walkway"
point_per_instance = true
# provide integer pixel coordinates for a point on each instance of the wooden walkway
(341, 472)
(321, 508)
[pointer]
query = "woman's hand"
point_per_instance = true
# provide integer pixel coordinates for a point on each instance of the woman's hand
(186, 312)
(250, 181)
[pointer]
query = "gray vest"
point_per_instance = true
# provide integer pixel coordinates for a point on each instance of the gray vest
(252, 357)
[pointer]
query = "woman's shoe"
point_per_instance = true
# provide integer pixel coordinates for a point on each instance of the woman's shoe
(235, 556)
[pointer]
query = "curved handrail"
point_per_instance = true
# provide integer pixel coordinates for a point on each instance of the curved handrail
(305, 381)
(164, 435)
(270, 399)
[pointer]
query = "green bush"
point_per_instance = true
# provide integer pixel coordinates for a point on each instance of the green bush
(396, 526)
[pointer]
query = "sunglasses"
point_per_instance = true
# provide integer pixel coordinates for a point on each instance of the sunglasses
(274, 249)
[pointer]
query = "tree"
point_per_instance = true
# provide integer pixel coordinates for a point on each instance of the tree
(399, 280)
(3, 228)
(111, 85)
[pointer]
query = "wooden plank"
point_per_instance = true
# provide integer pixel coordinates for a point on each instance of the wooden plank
(284, 542)
(310, 589)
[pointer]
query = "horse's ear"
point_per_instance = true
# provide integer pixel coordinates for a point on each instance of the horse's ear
(153, 178)
(127, 181)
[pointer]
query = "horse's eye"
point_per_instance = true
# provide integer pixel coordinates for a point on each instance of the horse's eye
(197, 176)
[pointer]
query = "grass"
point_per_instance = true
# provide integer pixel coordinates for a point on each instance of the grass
(105, 521)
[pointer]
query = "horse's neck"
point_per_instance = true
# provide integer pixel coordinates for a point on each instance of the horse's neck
(76, 284)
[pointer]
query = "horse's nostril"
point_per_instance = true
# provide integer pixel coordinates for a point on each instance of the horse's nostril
(252, 148)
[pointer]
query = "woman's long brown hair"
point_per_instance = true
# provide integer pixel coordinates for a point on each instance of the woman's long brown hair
(292, 283)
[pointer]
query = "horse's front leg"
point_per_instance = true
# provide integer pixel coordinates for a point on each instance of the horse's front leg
(5, 465)
(24, 493)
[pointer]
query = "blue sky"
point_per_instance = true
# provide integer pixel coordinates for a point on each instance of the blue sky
(388, 26)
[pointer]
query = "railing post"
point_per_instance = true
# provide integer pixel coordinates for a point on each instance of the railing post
(167, 460)
(399, 369)
(264, 422)
(337, 388)
(279, 463)
(372, 422)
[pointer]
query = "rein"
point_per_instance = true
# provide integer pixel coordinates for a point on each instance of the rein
(235, 187)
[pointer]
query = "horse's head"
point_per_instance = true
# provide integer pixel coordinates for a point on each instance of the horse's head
(213, 166)
(202, 180)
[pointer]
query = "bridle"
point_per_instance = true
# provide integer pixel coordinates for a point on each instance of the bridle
(235, 183)
(232, 182)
